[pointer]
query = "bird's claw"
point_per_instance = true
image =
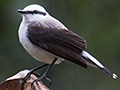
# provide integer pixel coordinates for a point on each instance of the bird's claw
(41, 78)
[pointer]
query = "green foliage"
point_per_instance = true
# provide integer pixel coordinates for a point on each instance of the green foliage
(97, 21)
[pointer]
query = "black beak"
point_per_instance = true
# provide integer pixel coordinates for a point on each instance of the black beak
(21, 11)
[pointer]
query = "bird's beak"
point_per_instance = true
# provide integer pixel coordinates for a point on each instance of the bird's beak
(20, 11)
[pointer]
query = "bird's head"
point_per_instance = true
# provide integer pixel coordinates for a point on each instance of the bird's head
(33, 12)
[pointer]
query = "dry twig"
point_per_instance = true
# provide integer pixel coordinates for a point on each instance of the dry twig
(16, 83)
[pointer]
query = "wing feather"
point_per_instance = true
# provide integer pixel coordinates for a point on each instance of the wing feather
(61, 42)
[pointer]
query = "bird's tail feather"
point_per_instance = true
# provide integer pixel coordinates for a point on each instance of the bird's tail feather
(109, 72)
(94, 62)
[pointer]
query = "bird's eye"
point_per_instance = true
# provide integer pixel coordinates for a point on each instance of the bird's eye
(36, 11)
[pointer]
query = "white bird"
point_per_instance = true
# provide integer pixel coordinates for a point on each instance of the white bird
(48, 40)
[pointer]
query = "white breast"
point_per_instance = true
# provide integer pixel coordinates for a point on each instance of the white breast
(36, 52)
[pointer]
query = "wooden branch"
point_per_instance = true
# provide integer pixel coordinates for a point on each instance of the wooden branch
(16, 83)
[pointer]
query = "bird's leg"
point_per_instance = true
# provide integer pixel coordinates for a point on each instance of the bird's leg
(45, 73)
(32, 72)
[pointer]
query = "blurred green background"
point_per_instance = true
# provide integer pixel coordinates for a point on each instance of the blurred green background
(97, 21)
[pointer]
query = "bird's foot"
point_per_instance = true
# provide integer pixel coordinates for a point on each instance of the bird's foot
(45, 73)
(32, 72)
(41, 78)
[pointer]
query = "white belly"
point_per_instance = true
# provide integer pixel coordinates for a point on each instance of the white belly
(36, 52)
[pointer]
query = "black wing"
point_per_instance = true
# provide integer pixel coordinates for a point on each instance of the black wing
(61, 42)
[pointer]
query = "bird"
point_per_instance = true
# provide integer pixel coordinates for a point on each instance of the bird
(47, 40)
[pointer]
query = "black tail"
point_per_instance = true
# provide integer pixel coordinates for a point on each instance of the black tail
(96, 63)
(109, 72)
